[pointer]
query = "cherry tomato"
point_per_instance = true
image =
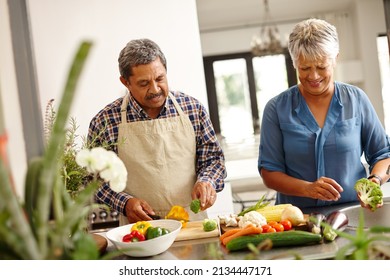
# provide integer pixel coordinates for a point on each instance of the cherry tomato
(271, 229)
(278, 227)
(265, 227)
(286, 224)
(272, 223)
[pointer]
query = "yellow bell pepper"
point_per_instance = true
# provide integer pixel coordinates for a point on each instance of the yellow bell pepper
(178, 213)
(141, 227)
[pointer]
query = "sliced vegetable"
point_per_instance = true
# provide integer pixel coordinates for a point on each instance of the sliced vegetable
(258, 205)
(209, 224)
(279, 239)
(178, 213)
(195, 205)
(249, 230)
(133, 236)
(141, 226)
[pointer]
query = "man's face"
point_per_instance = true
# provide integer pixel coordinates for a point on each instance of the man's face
(149, 86)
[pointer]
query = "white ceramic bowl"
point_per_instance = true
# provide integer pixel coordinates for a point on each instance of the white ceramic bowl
(149, 247)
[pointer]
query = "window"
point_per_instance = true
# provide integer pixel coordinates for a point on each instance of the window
(384, 65)
(239, 86)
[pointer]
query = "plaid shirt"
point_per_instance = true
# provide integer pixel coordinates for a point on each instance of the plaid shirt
(210, 162)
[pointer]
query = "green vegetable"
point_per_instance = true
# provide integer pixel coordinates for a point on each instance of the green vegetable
(258, 205)
(209, 224)
(328, 233)
(369, 192)
(153, 232)
(195, 205)
(279, 239)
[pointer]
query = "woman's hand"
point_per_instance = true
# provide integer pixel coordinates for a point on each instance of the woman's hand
(325, 188)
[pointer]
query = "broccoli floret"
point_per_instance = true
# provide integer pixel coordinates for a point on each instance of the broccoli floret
(369, 192)
(209, 224)
(195, 205)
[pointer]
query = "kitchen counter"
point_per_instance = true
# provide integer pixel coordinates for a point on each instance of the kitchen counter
(210, 248)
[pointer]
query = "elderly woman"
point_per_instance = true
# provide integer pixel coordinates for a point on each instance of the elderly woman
(314, 134)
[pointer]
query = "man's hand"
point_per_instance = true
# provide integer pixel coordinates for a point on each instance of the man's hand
(205, 193)
(138, 210)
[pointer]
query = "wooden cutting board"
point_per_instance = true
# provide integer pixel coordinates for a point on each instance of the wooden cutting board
(194, 230)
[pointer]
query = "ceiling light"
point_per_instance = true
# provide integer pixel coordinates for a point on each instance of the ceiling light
(267, 41)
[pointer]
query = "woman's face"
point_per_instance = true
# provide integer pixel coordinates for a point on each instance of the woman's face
(315, 76)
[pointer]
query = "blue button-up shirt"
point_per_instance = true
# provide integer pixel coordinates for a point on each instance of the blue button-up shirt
(292, 142)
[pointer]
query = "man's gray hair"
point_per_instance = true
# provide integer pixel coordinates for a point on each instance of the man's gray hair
(313, 39)
(139, 52)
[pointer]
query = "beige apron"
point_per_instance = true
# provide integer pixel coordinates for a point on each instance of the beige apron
(160, 156)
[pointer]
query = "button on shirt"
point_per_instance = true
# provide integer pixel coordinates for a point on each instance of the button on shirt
(210, 167)
(293, 143)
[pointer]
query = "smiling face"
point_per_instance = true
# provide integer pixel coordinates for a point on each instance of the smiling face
(315, 76)
(148, 85)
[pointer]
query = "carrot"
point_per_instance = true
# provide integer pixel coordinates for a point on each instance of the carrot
(228, 233)
(248, 230)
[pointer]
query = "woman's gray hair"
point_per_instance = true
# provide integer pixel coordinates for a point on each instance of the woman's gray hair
(313, 39)
(139, 52)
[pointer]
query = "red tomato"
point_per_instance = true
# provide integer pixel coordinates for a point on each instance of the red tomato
(265, 227)
(272, 223)
(286, 224)
(278, 227)
(271, 229)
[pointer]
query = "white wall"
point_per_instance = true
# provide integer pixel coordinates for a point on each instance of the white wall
(57, 29)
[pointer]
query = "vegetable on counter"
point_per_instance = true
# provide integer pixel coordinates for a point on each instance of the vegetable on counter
(230, 220)
(141, 226)
(334, 221)
(314, 222)
(252, 218)
(154, 232)
(369, 193)
(293, 214)
(209, 224)
(195, 206)
(286, 238)
(258, 205)
(273, 212)
(248, 230)
(134, 236)
(178, 213)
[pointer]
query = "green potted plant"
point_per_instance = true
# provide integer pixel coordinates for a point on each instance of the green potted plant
(51, 223)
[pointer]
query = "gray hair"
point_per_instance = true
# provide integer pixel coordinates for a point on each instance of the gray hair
(139, 52)
(313, 39)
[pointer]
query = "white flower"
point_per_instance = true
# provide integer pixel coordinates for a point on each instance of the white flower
(105, 163)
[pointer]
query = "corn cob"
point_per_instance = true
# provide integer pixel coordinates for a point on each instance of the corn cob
(273, 212)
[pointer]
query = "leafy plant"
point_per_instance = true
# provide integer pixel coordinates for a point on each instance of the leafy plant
(50, 223)
(363, 244)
